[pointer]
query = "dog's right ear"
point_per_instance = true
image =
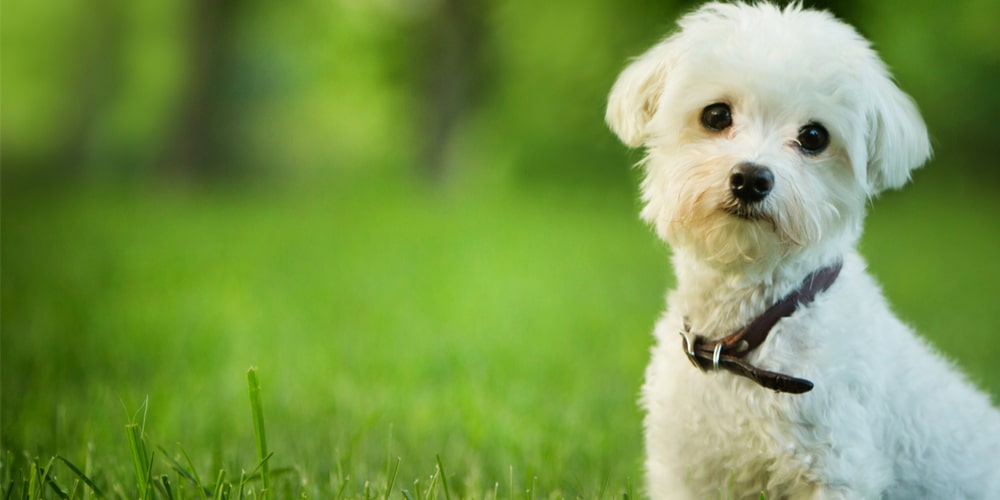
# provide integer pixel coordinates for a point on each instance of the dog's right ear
(635, 96)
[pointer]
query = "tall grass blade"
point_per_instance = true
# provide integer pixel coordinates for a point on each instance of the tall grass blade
(391, 479)
(72, 493)
(257, 408)
(192, 468)
(244, 476)
(511, 482)
(83, 477)
(164, 486)
(189, 473)
(46, 479)
(343, 486)
(433, 486)
(32, 490)
(220, 492)
(56, 488)
(444, 477)
(141, 460)
(88, 469)
(243, 482)
(7, 465)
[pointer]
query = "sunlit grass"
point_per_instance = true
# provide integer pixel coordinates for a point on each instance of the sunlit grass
(504, 334)
(441, 344)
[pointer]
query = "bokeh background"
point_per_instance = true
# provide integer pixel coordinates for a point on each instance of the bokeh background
(411, 216)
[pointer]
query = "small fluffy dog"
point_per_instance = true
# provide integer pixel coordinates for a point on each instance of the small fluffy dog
(767, 130)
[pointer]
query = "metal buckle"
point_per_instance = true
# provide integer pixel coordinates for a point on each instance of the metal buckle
(689, 348)
(716, 354)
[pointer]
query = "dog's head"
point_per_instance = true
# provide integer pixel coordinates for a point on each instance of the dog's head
(766, 131)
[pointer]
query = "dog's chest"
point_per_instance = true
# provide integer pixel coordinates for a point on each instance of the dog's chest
(744, 443)
(731, 435)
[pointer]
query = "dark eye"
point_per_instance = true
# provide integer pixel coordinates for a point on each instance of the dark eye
(813, 139)
(717, 117)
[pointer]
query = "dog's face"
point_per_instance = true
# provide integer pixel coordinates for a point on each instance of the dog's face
(766, 131)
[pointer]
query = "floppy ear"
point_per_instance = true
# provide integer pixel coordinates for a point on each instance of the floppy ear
(635, 96)
(897, 136)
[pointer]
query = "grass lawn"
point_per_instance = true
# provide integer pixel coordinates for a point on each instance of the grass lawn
(504, 333)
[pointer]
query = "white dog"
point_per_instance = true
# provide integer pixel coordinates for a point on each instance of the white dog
(767, 130)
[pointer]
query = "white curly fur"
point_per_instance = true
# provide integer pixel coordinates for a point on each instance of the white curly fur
(889, 417)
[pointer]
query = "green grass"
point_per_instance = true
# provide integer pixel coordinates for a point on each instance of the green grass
(497, 333)
(412, 344)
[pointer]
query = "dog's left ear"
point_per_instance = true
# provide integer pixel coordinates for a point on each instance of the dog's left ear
(897, 136)
(635, 96)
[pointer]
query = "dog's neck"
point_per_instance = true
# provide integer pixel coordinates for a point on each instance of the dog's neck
(719, 300)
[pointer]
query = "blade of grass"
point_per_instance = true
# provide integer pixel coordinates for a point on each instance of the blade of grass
(433, 486)
(391, 479)
(56, 488)
(193, 469)
(511, 482)
(191, 474)
(244, 477)
(83, 477)
(32, 491)
(388, 453)
(444, 477)
(164, 486)
(46, 478)
(220, 486)
(182, 487)
(8, 463)
(88, 469)
(72, 493)
(343, 486)
(141, 459)
(243, 482)
(257, 408)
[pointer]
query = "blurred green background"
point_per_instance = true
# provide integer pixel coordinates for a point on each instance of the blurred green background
(410, 216)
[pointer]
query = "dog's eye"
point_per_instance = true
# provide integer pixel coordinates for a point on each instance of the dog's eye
(813, 139)
(717, 117)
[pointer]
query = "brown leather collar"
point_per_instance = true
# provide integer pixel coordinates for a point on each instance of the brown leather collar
(728, 352)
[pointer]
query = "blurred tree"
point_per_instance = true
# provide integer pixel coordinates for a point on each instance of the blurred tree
(451, 63)
(514, 89)
(57, 83)
(101, 63)
(196, 146)
(556, 62)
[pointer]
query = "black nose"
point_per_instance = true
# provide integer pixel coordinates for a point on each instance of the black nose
(750, 182)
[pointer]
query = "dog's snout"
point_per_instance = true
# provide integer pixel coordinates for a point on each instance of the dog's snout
(750, 182)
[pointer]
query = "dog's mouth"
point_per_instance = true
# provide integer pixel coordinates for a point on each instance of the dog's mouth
(745, 211)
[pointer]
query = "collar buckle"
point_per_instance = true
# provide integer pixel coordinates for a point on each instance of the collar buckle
(728, 352)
